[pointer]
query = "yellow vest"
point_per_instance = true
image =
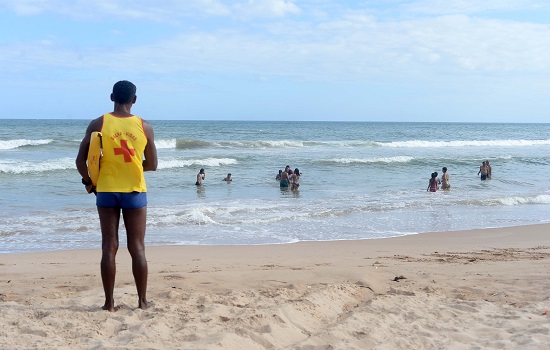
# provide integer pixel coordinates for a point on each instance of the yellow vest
(121, 166)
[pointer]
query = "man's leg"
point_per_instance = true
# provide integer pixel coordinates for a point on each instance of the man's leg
(135, 222)
(109, 219)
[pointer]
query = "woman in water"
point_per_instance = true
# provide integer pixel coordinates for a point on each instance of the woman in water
(432, 184)
(445, 185)
(295, 179)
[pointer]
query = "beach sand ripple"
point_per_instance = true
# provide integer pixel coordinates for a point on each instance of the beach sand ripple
(483, 289)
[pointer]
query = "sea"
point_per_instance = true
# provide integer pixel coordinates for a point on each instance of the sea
(360, 180)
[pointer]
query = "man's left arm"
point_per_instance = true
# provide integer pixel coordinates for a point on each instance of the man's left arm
(150, 162)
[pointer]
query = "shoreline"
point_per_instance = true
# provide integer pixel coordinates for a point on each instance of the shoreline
(456, 289)
(413, 234)
(482, 234)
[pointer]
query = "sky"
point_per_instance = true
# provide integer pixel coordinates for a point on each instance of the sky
(325, 60)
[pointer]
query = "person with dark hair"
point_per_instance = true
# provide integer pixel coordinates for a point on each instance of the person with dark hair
(200, 177)
(483, 170)
(124, 92)
(284, 182)
(432, 184)
(295, 179)
(128, 145)
(228, 178)
(445, 184)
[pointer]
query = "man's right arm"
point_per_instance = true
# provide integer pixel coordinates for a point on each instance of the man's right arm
(82, 156)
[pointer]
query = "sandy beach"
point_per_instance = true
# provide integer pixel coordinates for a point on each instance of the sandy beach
(479, 289)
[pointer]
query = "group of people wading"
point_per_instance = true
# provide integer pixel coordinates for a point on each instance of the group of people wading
(435, 181)
(289, 178)
(485, 171)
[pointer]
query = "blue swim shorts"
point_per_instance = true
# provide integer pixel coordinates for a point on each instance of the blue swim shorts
(132, 200)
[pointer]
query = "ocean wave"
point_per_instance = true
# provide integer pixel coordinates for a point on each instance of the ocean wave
(518, 200)
(464, 143)
(508, 201)
(397, 159)
(11, 144)
(226, 214)
(265, 144)
(164, 144)
(196, 144)
(192, 144)
(181, 163)
(27, 167)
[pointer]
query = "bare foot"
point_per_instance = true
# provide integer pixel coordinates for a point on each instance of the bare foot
(142, 304)
(109, 308)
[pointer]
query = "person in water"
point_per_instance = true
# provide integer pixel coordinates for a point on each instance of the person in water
(228, 178)
(295, 179)
(128, 150)
(285, 180)
(483, 170)
(200, 177)
(432, 184)
(437, 179)
(445, 184)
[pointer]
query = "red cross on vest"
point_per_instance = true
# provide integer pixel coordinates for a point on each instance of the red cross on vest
(125, 151)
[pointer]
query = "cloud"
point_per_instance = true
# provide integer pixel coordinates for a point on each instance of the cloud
(27, 7)
(266, 8)
(345, 48)
(156, 11)
(468, 7)
(160, 10)
(350, 45)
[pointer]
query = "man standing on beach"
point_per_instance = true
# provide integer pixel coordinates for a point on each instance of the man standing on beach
(128, 150)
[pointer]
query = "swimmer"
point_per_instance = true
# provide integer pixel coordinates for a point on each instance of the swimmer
(445, 184)
(200, 177)
(285, 180)
(483, 170)
(295, 179)
(432, 184)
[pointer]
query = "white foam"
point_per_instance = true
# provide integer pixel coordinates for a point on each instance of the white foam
(468, 143)
(397, 159)
(201, 216)
(165, 144)
(25, 167)
(540, 199)
(230, 214)
(11, 144)
(180, 163)
(260, 144)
